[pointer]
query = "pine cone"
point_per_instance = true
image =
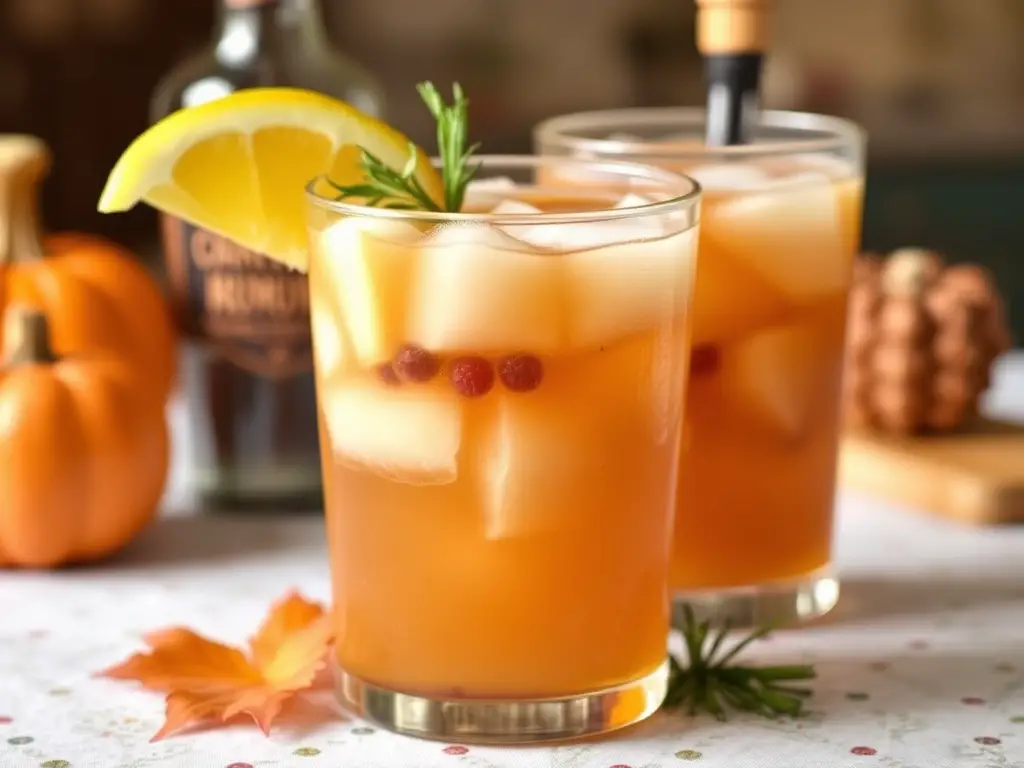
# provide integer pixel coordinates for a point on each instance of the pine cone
(921, 341)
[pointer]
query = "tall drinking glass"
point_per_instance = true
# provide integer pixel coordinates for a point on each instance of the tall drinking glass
(500, 399)
(780, 228)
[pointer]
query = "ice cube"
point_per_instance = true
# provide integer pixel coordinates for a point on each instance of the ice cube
(665, 223)
(541, 235)
(798, 179)
(368, 264)
(792, 236)
(520, 490)
(729, 177)
(636, 385)
(495, 183)
(580, 170)
(623, 289)
(478, 289)
(633, 200)
(830, 165)
(515, 208)
(329, 343)
(636, 388)
(486, 193)
(540, 451)
(585, 234)
(730, 299)
(409, 433)
(776, 376)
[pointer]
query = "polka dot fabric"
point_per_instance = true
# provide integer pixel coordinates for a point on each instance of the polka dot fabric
(921, 664)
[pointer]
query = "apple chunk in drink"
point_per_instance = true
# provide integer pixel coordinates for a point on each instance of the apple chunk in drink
(502, 404)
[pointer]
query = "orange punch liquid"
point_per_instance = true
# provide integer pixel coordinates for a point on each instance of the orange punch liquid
(500, 416)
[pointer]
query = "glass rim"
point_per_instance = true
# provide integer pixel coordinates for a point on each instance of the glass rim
(686, 193)
(559, 132)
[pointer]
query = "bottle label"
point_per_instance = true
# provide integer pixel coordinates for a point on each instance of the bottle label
(250, 309)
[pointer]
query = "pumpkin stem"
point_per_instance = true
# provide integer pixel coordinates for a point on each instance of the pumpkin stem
(26, 337)
(24, 161)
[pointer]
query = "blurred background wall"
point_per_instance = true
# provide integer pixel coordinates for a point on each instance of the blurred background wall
(939, 84)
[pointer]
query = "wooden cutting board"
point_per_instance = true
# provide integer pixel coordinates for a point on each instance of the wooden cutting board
(975, 476)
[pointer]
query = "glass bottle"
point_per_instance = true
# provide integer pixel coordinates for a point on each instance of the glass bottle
(247, 364)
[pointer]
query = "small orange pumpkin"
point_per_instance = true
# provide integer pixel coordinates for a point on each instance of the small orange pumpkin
(83, 450)
(95, 294)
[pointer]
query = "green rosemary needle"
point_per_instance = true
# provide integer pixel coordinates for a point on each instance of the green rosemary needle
(711, 683)
(388, 187)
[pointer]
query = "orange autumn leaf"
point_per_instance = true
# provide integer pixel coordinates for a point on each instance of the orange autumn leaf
(208, 681)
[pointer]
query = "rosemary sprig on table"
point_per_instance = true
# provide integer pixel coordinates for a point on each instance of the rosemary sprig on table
(710, 683)
(387, 187)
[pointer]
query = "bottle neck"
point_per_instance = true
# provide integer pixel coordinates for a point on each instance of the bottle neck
(247, 28)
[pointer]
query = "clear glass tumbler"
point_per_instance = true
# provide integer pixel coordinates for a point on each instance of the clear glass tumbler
(500, 398)
(780, 229)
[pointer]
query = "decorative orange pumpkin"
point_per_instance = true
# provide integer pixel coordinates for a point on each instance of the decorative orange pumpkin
(95, 294)
(83, 450)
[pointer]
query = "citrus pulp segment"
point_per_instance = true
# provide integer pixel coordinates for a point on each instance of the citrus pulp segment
(238, 166)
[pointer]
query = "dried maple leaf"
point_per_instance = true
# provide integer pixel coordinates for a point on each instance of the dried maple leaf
(208, 681)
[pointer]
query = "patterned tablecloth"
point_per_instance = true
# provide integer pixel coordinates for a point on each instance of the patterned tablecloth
(921, 665)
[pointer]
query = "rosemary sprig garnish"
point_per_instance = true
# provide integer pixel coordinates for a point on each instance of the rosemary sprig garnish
(709, 684)
(452, 136)
(387, 187)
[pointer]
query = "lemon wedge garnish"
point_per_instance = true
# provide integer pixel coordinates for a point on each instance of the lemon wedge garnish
(239, 166)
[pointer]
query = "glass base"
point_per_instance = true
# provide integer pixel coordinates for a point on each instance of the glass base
(780, 603)
(500, 721)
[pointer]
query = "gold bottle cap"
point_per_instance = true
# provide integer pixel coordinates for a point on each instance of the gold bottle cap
(732, 26)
